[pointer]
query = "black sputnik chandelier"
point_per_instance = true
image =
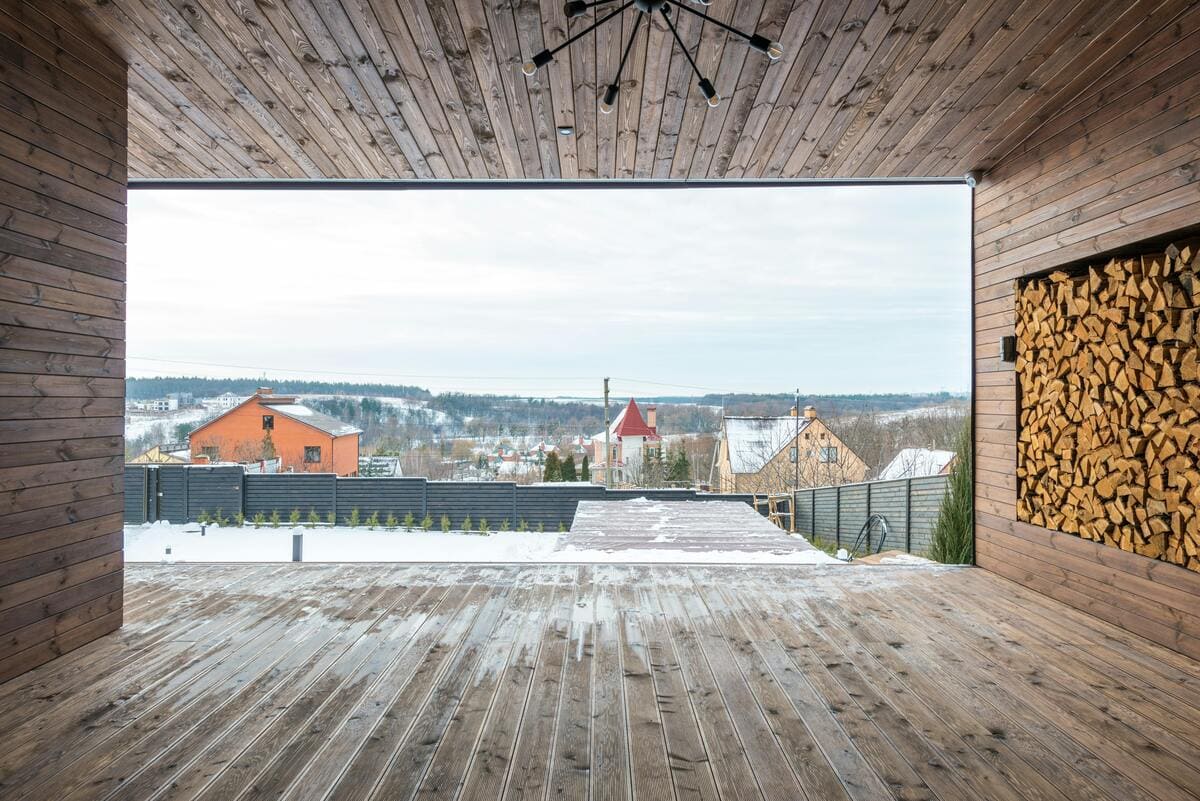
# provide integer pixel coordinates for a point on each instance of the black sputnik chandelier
(578, 8)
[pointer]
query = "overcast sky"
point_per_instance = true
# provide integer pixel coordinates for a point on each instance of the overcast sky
(832, 289)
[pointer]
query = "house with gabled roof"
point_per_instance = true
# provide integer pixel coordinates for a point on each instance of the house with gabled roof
(632, 439)
(270, 426)
(767, 455)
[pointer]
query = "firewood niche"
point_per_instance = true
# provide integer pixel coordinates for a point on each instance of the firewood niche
(1109, 394)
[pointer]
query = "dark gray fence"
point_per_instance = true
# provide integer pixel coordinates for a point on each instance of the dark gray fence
(182, 493)
(837, 514)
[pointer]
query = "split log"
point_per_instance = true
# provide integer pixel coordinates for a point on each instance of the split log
(1108, 364)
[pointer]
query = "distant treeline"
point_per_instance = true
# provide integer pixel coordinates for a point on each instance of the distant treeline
(144, 388)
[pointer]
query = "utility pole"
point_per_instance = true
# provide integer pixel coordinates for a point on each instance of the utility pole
(607, 447)
(796, 441)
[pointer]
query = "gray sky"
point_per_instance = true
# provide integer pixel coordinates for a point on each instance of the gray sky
(832, 289)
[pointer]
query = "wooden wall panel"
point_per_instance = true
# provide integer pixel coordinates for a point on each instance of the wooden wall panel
(1111, 167)
(62, 334)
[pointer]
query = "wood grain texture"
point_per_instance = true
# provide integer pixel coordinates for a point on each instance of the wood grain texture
(1113, 165)
(433, 88)
(62, 333)
(595, 681)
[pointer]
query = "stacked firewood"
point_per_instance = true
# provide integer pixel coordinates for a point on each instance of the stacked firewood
(1108, 364)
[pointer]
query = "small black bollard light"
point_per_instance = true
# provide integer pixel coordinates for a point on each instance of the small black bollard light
(298, 547)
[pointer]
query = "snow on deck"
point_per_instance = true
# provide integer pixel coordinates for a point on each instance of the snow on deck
(640, 527)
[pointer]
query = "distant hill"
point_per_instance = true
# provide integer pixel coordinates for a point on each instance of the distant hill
(144, 388)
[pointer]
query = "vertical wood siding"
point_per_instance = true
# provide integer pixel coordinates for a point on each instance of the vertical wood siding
(1115, 166)
(62, 335)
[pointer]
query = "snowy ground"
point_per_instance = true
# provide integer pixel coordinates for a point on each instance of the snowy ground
(138, 424)
(149, 543)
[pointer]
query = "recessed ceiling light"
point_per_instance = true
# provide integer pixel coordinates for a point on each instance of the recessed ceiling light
(565, 130)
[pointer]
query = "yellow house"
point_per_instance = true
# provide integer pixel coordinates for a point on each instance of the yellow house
(776, 454)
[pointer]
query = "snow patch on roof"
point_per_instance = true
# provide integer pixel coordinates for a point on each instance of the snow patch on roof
(292, 409)
(915, 463)
(754, 441)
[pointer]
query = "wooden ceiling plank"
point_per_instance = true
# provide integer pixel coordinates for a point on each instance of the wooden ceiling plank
(527, 17)
(459, 60)
(1104, 134)
(1059, 88)
(1166, 49)
(144, 168)
(654, 88)
(168, 116)
(708, 59)
(486, 63)
(561, 73)
(754, 70)
(411, 60)
(154, 67)
(608, 46)
(1050, 64)
(282, 36)
(258, 42)
(361, 87)
(862, 27)
(156, 146)
(954, 60)
(189, 53)
(871, 90)
(227, 42)
(999, 61)
(424, 147)
(679, 82)
(629, 102)
(726, 74)
(35, 33)
(795, 34)
(885, 34)
(801, 70)
(510, 57)
(586, 102)
(864, 123)
(901, 106)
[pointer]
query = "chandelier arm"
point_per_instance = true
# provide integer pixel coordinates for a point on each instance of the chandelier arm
(682, 46)
(591, 27)
(712, 20)
(628, 47)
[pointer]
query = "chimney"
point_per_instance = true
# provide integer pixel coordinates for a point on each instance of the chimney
(794, 411)
(264, 391)
(652, 416)
(810, 412)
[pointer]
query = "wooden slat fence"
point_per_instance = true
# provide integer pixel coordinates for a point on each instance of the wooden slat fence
(837, 514)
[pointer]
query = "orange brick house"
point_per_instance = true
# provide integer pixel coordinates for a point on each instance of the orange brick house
(266, 426)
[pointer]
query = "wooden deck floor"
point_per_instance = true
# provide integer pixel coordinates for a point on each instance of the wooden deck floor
(600, 682)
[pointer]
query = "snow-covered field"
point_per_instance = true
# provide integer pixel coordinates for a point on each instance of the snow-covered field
(149, 543)
(138, 424)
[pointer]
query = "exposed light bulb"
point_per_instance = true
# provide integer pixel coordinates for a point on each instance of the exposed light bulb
(714, 101)
(610, 99)
(774, 51)
(709, 92)
(529, 68)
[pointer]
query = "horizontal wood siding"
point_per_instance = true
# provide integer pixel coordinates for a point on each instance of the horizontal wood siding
(62, 336)
(1112, 165)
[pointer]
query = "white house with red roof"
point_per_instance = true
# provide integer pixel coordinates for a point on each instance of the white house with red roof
(632, 440)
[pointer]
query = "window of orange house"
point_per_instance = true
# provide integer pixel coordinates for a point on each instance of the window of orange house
(312, 454)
